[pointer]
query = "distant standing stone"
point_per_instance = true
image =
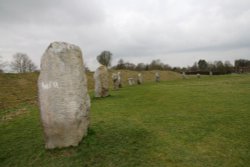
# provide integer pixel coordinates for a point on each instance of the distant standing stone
(119, 79)
(115, 81)
(198, 75)
(131, 81)
(184, 75)
(63, 97)
(211, 73)
(139, 79)
(157, 77)
(101, 81)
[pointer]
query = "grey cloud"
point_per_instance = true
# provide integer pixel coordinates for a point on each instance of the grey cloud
(141, 30)
(51, 12)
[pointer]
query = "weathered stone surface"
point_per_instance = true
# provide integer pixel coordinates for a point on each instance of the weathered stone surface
(139, 79)
(63, 96)
(101, 82)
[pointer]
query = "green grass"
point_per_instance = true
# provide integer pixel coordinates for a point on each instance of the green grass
(193, 122)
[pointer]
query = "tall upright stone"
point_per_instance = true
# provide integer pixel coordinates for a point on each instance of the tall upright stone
(184, 75)
(63, 97)
(119, 77)
(157, 77)
(198, 75)
(115, 81)
(210, 73)
(101, 78)
(139, 78)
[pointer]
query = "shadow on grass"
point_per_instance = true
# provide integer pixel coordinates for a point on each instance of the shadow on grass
(110, 97)
(127, 146)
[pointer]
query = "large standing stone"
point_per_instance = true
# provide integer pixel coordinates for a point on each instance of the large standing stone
(101, 82)
(63, 96)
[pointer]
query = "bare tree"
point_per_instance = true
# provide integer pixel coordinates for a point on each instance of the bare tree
(202, 65)
(120, 64)
(156, 65)
(129, 66)
(140, 67)
(22, 63)
(105, 58)
(2, 64)
(86, 68)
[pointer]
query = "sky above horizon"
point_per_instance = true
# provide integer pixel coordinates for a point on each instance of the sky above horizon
(178, 32)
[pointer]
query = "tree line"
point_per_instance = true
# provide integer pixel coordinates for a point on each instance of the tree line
(21, 63)
(202, 66)
(154, 65)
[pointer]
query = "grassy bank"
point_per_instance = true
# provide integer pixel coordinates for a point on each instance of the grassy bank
(18, 89)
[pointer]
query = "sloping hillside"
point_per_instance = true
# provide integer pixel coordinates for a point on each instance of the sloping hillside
(16, 89)
(148, 76)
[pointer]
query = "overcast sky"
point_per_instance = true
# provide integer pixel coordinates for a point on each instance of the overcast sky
(178, 32)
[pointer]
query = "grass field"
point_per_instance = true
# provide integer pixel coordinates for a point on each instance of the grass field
(193, 122)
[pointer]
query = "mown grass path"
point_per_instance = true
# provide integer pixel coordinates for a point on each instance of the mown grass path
(193, 122)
